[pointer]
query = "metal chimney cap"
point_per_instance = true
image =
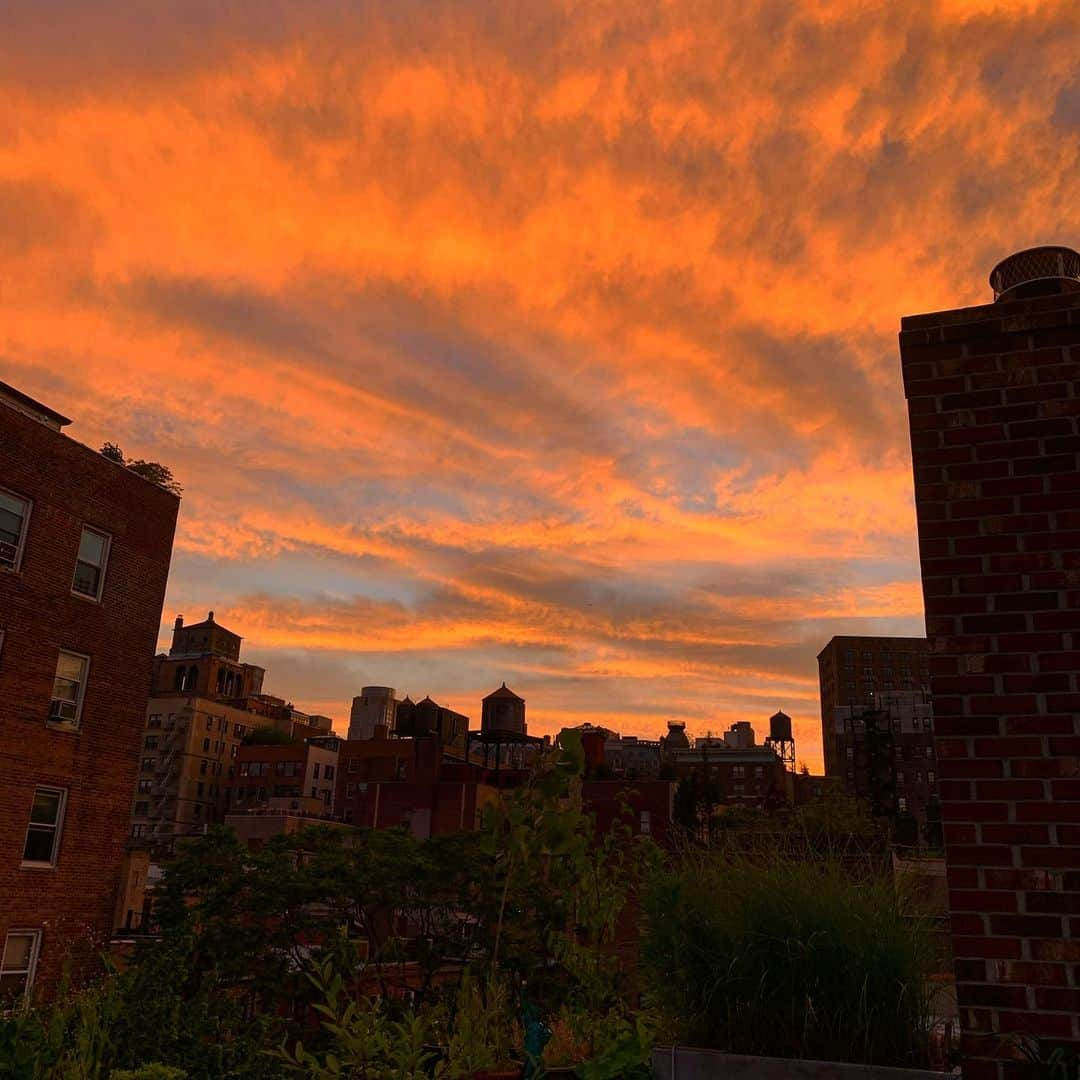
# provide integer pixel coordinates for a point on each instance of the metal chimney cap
(1037, 271)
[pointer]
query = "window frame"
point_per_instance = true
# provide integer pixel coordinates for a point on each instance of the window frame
(57, 829)
(75, 724)
(35, 952)
(94, 598)
(20, 547)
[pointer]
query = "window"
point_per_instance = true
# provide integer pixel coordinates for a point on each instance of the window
(147, 766)
(899, 777)
(154, 721)
(69, 687)
(350, 790)
(646, 822)
(196, 811)
(17, 964)
(138, 831)
(142, 809)
(234, 751)
(930, 776)
(43, 832)
(739, 789)
(851, 753)
(354, 765)
(738, 771)
(315, 772)
(902, 804)
(90, 565)
(14, 515)
(203, 766)
(759, 771)
(206, 746)
(328, 772)
(314, 792)
(209, 723)
(144, 787)
(150, 742)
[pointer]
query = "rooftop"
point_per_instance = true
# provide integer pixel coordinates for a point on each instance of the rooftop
(29, 406)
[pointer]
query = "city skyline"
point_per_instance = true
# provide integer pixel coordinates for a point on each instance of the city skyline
(499, 343)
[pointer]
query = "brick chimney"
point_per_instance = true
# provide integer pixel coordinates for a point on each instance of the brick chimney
(994, 405)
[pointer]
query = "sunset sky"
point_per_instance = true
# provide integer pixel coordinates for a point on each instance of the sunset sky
(524, 340)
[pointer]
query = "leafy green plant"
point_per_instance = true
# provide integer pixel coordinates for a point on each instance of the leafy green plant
(363, 1042)
(482, 1028)
(622, 1049)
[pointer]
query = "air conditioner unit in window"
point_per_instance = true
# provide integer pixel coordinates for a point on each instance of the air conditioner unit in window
(62, 710)
(8, 553)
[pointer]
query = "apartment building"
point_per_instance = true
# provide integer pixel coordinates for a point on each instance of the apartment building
(85, 545)
(205, 702)
(855, 671)
(297, 777)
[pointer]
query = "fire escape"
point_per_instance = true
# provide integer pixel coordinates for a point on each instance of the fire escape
(167, 776)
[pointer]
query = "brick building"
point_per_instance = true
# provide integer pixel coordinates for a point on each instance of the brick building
(299, 776)
(855, 671)
(740, 770)
(85, 545)
(994, 403)
(385, 783)
(204, 702)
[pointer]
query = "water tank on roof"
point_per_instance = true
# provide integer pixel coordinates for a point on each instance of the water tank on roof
(780, 727)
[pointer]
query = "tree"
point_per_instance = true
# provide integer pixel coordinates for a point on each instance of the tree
(153, 471)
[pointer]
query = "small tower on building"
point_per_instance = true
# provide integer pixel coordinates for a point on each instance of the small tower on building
(503, 711)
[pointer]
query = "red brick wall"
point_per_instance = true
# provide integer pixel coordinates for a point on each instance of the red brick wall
(623, 801)
(71, 485)
(994, 401)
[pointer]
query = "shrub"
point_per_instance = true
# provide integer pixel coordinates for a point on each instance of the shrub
(788, 959)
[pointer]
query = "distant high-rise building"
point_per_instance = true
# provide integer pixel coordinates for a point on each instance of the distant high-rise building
(85, 545)
(855, 671)
(375, 707)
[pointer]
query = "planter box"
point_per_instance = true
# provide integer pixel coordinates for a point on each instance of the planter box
(685, 1063)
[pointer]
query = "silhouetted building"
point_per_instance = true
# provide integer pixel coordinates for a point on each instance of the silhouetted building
(736, 767)
(886, 757)
(427, 717)
(374, 708)
(856, 671)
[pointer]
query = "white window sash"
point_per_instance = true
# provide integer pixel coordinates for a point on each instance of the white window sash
(16, 556)
(100, 568)
(31, 969)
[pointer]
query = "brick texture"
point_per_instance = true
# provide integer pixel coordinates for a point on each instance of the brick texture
(72, 903)
(994, 404)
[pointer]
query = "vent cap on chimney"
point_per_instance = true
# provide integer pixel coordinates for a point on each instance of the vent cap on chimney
(1037, 271)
